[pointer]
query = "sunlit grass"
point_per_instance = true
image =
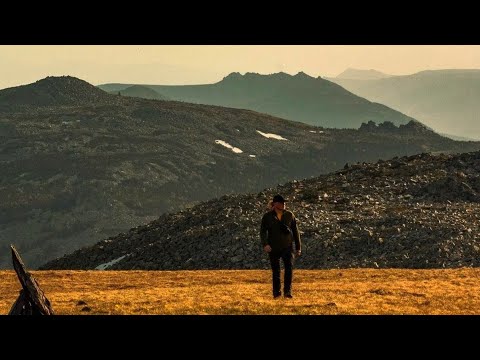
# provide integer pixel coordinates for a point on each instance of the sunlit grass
(352, 291)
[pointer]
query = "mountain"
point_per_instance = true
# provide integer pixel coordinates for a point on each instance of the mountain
(446, 100)
(457, 138)
(314, 101)
(419, 211)
(83, 170)
(357, 74)
(51, 91)
(140, 92)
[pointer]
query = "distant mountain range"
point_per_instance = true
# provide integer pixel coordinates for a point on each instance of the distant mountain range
(79, 164)
(313, 101)
(357, 74)
(419, 211)
(445, 100)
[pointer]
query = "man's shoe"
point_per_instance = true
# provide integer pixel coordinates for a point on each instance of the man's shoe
(288, 295)
(275, 296)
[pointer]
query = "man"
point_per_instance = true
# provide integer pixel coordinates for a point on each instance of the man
(278, 232)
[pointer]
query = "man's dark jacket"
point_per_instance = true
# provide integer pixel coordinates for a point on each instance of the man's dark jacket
(272, 231)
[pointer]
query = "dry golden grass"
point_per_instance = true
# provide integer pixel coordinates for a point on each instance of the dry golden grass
(352, 291)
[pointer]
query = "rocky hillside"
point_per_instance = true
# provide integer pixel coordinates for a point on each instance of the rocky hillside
(300, 97)
(75, 173)
(420, 211)
(51, 91)
(445, 100)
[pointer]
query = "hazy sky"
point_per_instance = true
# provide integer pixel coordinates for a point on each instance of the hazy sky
(199, 64)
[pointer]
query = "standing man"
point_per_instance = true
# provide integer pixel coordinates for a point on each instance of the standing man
(278, 232)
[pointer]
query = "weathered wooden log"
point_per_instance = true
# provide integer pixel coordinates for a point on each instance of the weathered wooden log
(32, 300)
(22, 305)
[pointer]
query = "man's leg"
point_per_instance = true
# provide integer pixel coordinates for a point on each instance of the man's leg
(287, 257)
(275, 264)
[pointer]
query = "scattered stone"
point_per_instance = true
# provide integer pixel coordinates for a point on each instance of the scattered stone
(383, 219)
(379, 292)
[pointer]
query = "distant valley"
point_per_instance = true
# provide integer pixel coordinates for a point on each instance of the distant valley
(445, 100)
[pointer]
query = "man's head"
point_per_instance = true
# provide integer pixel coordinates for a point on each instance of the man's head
(278, 202)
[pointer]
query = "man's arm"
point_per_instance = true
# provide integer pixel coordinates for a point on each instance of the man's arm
(264, 231)
(296, 234)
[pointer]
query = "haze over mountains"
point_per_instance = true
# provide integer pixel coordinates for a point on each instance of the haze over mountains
(80, 165)
(445, 100)
(300, 97)
(358, 74)
(421, 211)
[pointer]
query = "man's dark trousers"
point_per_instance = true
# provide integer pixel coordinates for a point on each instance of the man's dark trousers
(287, 256)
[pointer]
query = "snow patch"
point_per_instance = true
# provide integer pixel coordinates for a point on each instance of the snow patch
(227, 145)
(252, 155)
(313, 131)
(110, 263)
(271, 136)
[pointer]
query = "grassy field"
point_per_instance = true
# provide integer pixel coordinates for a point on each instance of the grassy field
(352, 291)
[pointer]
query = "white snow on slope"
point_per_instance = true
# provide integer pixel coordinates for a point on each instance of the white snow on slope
(227, 145)
(271, 136)
(252, 155)
(113, 262)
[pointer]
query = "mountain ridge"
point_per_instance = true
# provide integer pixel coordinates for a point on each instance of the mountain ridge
(141, 92)
(299, 97)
